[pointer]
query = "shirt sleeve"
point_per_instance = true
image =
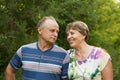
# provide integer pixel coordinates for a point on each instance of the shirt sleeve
(65, 67)
(104, 59)
(15, 61)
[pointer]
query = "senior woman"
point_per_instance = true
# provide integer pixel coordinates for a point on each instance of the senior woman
(87, 62)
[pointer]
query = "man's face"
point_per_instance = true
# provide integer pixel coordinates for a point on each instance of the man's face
(49, 33)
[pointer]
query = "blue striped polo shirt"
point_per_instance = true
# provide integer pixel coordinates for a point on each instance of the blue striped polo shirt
(36, 64)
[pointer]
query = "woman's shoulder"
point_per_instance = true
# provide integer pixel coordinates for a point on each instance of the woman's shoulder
(101, 52)
(70, 51)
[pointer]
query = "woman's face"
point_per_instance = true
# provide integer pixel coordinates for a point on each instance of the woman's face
(74, 38)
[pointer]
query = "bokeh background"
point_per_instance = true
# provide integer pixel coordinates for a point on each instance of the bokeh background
(18, 20)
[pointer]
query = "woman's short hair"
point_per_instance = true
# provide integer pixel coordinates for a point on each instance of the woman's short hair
(80, 27)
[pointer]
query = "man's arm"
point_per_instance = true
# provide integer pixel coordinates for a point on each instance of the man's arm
(9, 73)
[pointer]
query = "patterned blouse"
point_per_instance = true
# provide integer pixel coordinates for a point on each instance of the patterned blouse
(90, 68)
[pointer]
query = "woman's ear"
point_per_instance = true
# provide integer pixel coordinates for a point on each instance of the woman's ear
(84, 36)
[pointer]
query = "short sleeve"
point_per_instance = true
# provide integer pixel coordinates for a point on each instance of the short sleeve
(103, 59)
(65, 67)
(15, 61)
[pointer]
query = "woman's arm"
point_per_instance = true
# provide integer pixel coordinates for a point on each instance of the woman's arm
(107, 72)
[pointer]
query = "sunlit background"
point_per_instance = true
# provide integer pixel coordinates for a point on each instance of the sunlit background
(117, 1)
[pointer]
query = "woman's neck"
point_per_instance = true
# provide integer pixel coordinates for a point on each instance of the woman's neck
(83, 51)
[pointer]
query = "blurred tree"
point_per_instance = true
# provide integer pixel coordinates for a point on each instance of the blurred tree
(18, 20)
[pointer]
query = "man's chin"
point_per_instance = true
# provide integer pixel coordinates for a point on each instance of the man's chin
(52, 42)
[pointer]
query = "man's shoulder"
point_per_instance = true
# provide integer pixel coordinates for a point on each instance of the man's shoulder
(30, 45)
(59, 48)
(27, 47)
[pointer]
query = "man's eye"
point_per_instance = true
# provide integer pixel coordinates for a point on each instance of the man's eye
(52, 30)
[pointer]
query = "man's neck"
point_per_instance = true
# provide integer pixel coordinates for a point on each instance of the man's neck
(44, 46)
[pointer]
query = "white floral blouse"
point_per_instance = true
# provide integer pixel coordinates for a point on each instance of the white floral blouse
(90, 68)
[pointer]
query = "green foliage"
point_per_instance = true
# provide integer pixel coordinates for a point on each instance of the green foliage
(19, 18)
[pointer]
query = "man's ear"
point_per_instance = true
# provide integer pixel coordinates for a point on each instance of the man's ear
(39, 30)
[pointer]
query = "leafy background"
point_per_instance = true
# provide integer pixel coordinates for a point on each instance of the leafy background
(18, 19)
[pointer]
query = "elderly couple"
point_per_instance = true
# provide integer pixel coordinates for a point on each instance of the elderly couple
(43, 60)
